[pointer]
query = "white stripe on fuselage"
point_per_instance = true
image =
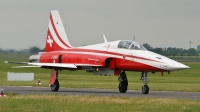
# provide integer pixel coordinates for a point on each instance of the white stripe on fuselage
(154, 63)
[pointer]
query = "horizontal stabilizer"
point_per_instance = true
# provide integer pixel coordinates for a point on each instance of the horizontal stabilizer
(53, 65)
(25, 66)
(12, 62)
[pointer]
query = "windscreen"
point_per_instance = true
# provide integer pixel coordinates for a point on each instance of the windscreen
(137, 46)
(129, 44)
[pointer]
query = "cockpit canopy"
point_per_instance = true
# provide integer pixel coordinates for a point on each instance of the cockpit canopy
(129, 44)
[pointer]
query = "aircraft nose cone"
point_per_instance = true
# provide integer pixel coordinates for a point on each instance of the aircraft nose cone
(182, 66)
(178, 66)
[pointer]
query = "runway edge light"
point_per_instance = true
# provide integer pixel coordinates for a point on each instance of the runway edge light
(2, 93)
(39, 82)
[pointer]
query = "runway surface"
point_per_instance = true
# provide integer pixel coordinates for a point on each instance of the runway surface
(99, 92)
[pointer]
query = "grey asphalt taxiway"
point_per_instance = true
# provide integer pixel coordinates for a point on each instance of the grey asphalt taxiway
(100, 92)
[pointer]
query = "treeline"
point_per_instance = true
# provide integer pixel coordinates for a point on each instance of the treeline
(29, 51)
(172, 51)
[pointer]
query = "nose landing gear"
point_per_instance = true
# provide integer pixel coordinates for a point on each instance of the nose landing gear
(145, 87)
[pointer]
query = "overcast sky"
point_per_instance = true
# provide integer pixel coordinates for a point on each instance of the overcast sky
(160, 23)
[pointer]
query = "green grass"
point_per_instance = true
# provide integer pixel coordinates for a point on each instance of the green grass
(185, 80)
(92, 103)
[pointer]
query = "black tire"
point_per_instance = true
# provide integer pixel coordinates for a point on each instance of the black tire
(145, 89)
(55, 86)
(123, 86)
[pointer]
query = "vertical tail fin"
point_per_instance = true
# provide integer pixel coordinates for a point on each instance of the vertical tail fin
(56, 37)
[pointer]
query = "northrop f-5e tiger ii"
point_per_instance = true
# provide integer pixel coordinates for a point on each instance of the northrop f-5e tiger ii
(108, 58)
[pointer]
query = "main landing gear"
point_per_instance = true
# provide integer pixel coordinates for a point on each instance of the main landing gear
(145, 87)
(123, 82)
(54, 83)
(55, 86)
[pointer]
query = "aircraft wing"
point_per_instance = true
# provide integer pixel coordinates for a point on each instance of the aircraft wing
(88, 65)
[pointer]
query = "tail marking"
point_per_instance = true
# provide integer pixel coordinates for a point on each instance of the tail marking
(50, 41)
(56, 36)
(57, 29)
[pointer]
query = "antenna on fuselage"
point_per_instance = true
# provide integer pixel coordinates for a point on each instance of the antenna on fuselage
(134, 38)
(105, 40)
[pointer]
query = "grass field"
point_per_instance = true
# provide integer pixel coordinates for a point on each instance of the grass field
(185, 80)
(92, 103)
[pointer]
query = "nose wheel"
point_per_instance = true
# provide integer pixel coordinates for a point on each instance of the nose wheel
(145, 87)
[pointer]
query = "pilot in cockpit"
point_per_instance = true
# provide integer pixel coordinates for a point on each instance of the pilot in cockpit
(137, 46)
(127, 44)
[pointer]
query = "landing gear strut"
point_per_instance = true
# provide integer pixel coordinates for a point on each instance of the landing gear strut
(145, 87)
(123, 82)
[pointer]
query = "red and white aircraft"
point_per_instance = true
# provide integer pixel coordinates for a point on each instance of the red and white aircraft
(108, 58)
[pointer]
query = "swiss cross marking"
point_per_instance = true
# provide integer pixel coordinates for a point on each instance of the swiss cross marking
(50, 41)
(108, 46)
